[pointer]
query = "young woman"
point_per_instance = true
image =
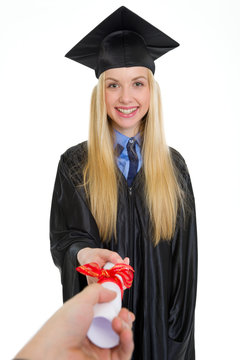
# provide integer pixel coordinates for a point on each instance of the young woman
(126, 196)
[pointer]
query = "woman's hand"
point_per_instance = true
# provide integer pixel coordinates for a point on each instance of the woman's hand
(101, 257)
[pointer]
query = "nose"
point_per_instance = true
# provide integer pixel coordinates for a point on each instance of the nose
(125, 95)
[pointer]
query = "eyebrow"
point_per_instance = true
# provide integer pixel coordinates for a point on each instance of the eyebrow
(136, 78)
(109, 78)
(140, 77)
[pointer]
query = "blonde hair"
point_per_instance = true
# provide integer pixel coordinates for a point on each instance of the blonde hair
(162, 191)
(100, 180)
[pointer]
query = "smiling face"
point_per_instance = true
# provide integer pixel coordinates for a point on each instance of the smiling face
(127, 98)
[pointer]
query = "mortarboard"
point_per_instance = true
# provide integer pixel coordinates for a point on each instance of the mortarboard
(123, 39)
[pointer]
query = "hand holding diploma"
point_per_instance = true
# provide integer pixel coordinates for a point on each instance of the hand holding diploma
(112, 277)
(64, 335)
(99, 256)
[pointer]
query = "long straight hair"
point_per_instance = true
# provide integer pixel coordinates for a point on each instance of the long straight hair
(162, 191)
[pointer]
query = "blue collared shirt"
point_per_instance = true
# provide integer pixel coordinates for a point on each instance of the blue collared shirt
(123, 160)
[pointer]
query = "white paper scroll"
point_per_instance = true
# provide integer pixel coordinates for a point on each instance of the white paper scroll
(100, 332)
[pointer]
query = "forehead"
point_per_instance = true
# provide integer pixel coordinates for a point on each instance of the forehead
(127, 72)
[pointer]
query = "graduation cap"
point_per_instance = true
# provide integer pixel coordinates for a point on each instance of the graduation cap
(123, 39)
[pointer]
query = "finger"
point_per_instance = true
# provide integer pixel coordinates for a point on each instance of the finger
(126, 343)
(127, 316)
(111, 256)
(126, 260)
(118, 325)
(126, 337)
(94, 294)
(91, 280)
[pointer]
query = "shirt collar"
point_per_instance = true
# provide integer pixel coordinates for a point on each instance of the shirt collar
(123, 139)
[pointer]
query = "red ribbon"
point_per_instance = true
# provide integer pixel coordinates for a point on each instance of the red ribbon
(103, 275)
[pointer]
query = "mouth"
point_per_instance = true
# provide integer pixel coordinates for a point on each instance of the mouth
(127, 111)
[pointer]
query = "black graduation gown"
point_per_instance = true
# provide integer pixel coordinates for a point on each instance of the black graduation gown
(163, 293)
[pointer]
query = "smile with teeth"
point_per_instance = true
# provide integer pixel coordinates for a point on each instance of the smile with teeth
(126, 111)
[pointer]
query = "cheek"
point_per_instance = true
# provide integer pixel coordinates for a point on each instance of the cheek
(109, 100)
(145, 100)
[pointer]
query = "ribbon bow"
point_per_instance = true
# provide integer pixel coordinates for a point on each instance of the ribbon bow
(120, 274)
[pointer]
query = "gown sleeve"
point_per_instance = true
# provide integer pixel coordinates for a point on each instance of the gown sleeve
(184, 282)
(72, 228)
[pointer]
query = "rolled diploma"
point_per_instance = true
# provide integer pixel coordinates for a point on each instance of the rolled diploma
(100, 332)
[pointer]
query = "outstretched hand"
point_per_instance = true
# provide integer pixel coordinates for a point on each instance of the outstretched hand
(64, 334)
(101, 257)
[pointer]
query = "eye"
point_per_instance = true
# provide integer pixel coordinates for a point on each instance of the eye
(113, 85)
(138, 84)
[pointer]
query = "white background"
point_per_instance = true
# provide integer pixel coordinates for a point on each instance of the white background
(45, 109)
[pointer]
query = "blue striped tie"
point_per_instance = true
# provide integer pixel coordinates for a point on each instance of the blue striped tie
(133, 158)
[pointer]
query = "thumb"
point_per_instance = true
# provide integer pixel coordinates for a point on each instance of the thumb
(95, 293)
